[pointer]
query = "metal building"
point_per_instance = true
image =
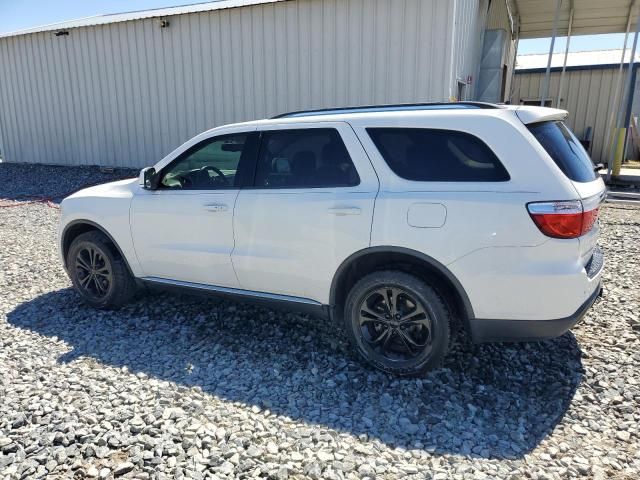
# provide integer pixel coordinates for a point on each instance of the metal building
(498, 53)
(126, 89)
(588, 94)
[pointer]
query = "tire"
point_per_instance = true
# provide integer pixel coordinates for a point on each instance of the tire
(417, 326)
(112, 285)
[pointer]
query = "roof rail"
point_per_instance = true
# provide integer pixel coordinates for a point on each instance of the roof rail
(391, 107)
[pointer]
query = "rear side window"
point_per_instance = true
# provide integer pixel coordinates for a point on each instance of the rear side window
(565, 149)
(304, 158)
(433, 155)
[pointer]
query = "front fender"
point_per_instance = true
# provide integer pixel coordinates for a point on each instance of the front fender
(106, 208)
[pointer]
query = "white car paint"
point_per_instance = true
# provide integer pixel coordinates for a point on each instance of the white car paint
(108, 206)
(292, 241)
(186, 235)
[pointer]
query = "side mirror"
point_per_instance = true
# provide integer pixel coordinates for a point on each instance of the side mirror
(148, 178)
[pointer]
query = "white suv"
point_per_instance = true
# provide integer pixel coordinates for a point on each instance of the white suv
(395, 220)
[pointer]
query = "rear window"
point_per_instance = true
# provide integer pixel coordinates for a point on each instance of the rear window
(433, 155)
(565, 149)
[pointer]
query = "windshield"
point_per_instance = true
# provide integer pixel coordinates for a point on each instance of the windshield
(565, 149)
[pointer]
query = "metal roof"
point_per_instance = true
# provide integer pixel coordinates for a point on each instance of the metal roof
(576, 68)
(140, 14)
(535, 16)
(574, 59)
(589, 17)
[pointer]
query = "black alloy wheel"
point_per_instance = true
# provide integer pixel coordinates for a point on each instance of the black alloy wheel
(93, 271)
(394, 324)
(98, 271)
(397, 323)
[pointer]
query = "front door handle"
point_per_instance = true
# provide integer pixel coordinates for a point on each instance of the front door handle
(215, 207)
(341, 211)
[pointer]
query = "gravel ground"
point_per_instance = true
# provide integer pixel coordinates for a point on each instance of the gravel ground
(181, 387)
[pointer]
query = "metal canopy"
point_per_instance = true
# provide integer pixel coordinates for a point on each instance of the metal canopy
(589, 17)
(553, 18)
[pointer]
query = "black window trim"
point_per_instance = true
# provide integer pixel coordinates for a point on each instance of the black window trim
(245, 164)
(395, 127)
(254, 169)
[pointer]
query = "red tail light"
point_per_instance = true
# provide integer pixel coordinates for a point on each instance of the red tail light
(565, 219)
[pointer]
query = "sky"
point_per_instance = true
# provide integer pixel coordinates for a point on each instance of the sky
(21, 14)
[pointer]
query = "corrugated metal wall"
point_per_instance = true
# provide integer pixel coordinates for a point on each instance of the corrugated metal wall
(126, 94)
(470, 17)
(498, 18)
(588, 97)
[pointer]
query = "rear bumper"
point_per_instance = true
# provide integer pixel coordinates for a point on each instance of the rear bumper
(483, 330)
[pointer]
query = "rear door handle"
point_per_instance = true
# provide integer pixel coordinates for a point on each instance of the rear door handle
(215, 207)
(341, 211)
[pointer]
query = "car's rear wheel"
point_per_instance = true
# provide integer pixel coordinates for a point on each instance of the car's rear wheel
(98, 272)
(397, 323)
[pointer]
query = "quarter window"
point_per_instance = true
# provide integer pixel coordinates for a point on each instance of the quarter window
(433, 155)
(304, 158)
(565, 150)
(210, 165)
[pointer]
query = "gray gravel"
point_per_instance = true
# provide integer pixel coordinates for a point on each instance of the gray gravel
(181, 387)
(20, 182)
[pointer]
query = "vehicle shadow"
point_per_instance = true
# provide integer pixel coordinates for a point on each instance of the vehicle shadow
(489, 401)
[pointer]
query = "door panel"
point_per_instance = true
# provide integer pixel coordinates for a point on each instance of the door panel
(185, 236)
(184, 230)
(291, 241)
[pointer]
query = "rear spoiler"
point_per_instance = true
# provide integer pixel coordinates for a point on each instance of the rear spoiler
(528, 114)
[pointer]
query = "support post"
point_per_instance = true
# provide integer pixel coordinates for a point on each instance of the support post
(547, 75)
(566, 54)
(513, 70)
(616, 163)
(629, 108)
(515, 37)
(609, 137)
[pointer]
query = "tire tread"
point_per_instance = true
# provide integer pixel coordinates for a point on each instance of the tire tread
(124, 284)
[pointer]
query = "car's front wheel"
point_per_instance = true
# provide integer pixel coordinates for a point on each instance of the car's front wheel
(98, 272)
(397, 323)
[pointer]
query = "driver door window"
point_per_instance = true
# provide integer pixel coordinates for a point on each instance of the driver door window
(210, 165)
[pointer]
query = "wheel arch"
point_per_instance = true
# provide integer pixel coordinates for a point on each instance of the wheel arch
(78, 227)
(411, 261)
